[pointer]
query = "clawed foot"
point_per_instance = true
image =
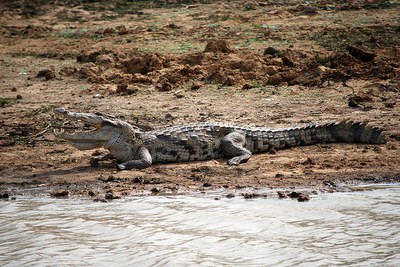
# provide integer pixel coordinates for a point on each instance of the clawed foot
(234, 161)
(121, 167)
(239, 159)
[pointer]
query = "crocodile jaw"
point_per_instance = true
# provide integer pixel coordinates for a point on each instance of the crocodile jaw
(105, 129)
(85, 140)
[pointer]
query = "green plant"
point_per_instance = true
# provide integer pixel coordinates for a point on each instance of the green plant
(72, 33)
(213, 25)
(7, 102)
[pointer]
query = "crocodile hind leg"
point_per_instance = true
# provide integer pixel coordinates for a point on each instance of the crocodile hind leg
(232, 146)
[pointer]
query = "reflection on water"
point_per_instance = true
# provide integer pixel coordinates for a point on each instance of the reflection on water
(360, 228)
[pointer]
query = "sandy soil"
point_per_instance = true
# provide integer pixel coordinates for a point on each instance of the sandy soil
(175, 62)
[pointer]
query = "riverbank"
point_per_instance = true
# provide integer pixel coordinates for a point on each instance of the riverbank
(156, 66)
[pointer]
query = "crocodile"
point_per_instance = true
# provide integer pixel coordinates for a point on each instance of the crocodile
(136, 149)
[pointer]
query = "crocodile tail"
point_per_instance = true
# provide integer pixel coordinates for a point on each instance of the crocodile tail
(356, 132)
(339, 132)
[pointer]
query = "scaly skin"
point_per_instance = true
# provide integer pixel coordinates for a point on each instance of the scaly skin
(133, 148)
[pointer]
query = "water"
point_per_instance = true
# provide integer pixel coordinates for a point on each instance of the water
(358, 229)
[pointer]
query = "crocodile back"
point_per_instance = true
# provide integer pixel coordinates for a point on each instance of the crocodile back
(203, 141)
(189, 142)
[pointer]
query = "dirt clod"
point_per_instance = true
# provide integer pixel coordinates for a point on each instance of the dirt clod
(126, 89)
(272, 51)
(164, 86)
(294, 194)
(357, 100)
(247, 86)
(48, 74)
(360, 53)
(254, 195)
(103, 200)
(196, 86)
(218, 46)
(111, 195)
(288, 61)
(282, 194)
(303, 197)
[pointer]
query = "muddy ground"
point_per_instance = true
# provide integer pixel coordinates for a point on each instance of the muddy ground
(162, 63)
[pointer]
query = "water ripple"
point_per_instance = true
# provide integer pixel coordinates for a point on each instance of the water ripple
(357, 229)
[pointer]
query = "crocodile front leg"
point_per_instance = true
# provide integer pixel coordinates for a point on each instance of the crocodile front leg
(95, 161)
(144, 161)
(232, 146)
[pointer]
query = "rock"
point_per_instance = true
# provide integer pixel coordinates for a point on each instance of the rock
(230, 195)
(91, 193)
(19, 96)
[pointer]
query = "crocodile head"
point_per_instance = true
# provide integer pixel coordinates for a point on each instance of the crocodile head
(104, 129)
